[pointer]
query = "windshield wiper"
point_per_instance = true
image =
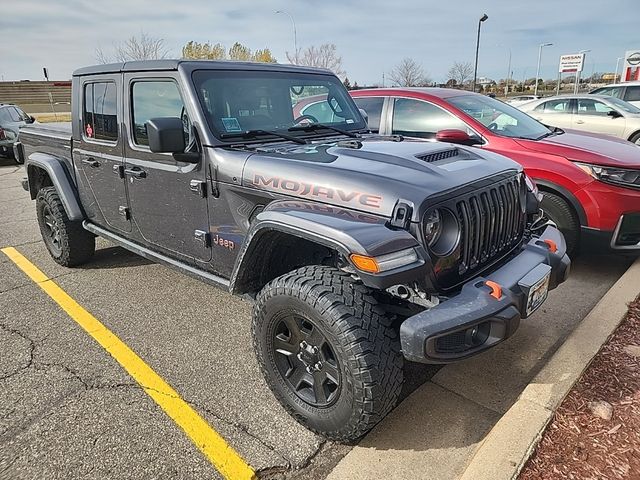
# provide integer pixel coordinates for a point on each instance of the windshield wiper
(257, 132)
(316, 126)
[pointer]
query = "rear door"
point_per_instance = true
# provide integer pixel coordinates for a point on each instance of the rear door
(168, 197)
(592, 115)
(556, 113)
(97, 154)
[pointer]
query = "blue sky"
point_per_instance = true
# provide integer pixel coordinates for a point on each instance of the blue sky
(371, 35)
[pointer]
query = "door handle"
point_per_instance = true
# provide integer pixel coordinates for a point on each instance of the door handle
(135, 172)
(92, 162)
(579, 122)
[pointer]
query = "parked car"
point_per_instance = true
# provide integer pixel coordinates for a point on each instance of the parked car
(522, 99)
(629, 92)
(359, 250)
(12, 118)
(588, 113)
(591, 183)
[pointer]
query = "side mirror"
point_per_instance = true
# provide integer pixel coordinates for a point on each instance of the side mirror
(166, 135)
(614, 114)
(364, 114)
(32, 119)
(453, 135)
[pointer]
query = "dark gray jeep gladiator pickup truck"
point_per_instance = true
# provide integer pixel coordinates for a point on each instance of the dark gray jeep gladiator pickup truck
(359, 251)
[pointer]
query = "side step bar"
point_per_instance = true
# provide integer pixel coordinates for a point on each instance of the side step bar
(157, 257)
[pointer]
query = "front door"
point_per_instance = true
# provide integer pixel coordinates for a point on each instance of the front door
(167, 196)
(97, 154)
(594, 116)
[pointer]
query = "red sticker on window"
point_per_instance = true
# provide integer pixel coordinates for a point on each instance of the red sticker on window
(89, 130)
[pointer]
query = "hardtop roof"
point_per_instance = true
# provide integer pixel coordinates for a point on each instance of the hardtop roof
(160, 65)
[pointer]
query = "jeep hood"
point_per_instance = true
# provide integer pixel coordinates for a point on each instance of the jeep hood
(372, 175)
(588, 148)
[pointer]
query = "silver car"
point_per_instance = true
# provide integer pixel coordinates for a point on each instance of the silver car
(11, 119)
(589, 113)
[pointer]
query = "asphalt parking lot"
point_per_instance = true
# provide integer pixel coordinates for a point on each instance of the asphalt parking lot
(68, 410)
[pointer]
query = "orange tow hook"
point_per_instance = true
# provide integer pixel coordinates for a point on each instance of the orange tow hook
(552, 245)
(496, 289)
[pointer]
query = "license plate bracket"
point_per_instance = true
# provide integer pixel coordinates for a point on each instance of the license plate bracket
(535, 286)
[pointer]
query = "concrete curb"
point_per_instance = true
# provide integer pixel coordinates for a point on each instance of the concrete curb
(508, 445)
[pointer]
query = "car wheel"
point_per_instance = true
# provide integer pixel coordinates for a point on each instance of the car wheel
(68, 243)
(563, 215)
(635, 138)
(328, 351)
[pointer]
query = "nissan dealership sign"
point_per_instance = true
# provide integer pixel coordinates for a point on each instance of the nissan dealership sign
(571, 63)
(631, 71)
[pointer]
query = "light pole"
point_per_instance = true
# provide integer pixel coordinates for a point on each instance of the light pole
(535, 90)
(483, 18)
(577, 85)
(615, 76)
(295, 34)
(506, 93)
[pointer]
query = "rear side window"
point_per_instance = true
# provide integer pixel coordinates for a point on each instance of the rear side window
(633, 94)
(100, 116)
(155, 99)
(554, 106)
(4, 115)
(373, 107)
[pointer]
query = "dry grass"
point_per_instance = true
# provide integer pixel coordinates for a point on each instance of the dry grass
(50, 117)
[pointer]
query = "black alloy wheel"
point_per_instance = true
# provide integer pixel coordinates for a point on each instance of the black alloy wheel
(306, 360)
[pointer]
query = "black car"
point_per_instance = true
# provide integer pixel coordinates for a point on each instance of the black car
(11, 119)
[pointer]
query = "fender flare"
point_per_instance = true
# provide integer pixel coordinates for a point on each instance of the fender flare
(344, 231)
(573, 201)
(61, 179)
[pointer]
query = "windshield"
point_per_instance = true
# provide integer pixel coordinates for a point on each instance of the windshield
(236, 102)
(624, 106)
(500, 118)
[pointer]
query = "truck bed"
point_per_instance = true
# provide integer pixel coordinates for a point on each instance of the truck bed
(51, 138)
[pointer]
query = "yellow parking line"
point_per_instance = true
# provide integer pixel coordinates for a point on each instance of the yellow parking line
(215, 448)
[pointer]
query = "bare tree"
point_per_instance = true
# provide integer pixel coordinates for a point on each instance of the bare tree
(324, 56)
(461, 72)
(409, 73)
(142, 47)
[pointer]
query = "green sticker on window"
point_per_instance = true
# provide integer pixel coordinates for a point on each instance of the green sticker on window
(231, 124)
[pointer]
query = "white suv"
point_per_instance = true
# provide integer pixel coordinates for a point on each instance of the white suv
(629, 92)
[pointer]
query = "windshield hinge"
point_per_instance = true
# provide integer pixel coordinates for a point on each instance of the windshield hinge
(401, 216)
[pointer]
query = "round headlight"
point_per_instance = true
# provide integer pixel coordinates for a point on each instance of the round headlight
(441, 231)
(432, 227)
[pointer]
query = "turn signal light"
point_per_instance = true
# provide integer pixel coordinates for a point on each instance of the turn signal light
(364, 263)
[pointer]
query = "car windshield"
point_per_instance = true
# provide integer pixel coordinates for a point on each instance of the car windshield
(236, 102)
(500, 118)
(624, 106)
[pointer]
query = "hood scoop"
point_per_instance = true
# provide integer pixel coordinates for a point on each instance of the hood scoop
(437, 156)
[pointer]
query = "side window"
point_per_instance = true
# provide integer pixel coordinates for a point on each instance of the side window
(632, 94)
(155, 99)
(373, 107)
(4, 115)
(23, 116)
(592, 107)
(416, 118)
(14, 114)
(100, 112)
(554, 106)
(603, 91)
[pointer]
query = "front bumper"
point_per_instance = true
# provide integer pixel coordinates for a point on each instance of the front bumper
(474, 320)
(625, 239)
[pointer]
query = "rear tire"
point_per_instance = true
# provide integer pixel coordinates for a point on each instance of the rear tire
(328, 351)
(68, 243)
(563, 215)
(635, 138)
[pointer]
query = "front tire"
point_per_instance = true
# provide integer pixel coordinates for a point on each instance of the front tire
(328, 351)
(68, 243)
(561, 213)
(635, 138)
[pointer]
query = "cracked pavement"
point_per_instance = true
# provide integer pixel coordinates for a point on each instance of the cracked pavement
(68, 410)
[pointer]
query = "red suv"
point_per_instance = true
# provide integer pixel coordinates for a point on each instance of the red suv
(591, 183)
